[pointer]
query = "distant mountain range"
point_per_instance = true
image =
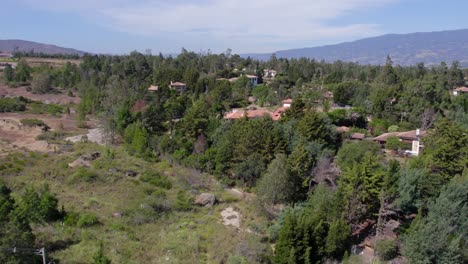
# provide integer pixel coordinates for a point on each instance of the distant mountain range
(404, 49)
(12, 45)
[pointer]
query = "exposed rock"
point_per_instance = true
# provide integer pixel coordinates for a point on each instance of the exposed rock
(91, 156)
(236, 193)
(117, 215)
(231, 217)
(79, 162)
(389, 228)
(131, 173)
(205, 199)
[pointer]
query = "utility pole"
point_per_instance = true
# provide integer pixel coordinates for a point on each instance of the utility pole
(41, 252)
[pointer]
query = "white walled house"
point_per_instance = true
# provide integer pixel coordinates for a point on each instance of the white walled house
(287, 103)
(253, 79)
(460, 90)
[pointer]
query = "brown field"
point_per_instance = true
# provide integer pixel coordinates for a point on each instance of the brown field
(33, 62)
(13, 135)
(60, 98)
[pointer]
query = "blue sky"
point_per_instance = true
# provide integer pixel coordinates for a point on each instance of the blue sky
(120, 26)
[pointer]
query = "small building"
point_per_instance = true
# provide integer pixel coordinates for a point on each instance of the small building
(342, 129)
(412, 137)
(178, 86)
(269, 74)
(253, 79)
(460, 90)
(153, 88)
(357, 136)
(287, 102)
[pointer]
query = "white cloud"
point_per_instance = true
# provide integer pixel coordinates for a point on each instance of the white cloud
(245, 25)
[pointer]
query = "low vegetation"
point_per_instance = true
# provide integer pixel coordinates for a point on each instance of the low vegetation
(304, 191)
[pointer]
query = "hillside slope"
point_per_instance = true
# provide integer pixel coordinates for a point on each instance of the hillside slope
(11, 45)
(404, 49)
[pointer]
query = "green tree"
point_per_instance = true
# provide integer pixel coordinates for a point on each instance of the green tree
(446, 150)
(296, 111)
(441, 237)
(277, 185)
(23, 71)
(42, 83)
(316, 127)
(8, 74)
(137, 140)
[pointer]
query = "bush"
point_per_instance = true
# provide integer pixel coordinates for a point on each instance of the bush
(386, 249)
(51, 109)
(12, 104)
(142, 215)
(394, 143)
(183, 201)
(87, 220)
(84, 174)
(71, 218)
(32, 122)
(51, 135)
(155, 178)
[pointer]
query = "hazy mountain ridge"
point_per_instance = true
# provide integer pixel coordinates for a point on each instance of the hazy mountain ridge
(404, 49)
(11, 45)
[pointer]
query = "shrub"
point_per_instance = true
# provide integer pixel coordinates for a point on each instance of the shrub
(71, 218)
(394, 143)
(51, 109)
(12, 104)
(86, 220)
(32, 122)
(51, 135)
(142, 215)
(155, 178)
(84, 174)
(386, 249)
(183, 201)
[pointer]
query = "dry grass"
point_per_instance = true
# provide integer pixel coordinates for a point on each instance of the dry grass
(194, 236)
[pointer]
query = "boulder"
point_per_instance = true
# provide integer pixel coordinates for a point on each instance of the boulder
(205, 199)
(79, 162)
(131, 173)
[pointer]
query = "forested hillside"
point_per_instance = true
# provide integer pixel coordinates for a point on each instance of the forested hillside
(315, 194)
(405, 49)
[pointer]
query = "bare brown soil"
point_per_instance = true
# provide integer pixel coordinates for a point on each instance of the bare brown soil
(45, 98)
(53, 62)
(14, 135)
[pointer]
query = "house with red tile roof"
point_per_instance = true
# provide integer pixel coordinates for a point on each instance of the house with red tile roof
(412, 137)
(153, 88)
(287, 102)
(178, 86)
(460, 90)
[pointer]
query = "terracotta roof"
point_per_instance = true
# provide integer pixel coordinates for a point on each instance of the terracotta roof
(358, 136)
(462, 89)
(408, 135)
(342, 129)
(153, 88)
(287, 101)
(251, 76)
(178, 84)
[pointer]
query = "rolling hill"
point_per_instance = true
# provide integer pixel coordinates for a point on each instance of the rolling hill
(11, 45)
(404, 49)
